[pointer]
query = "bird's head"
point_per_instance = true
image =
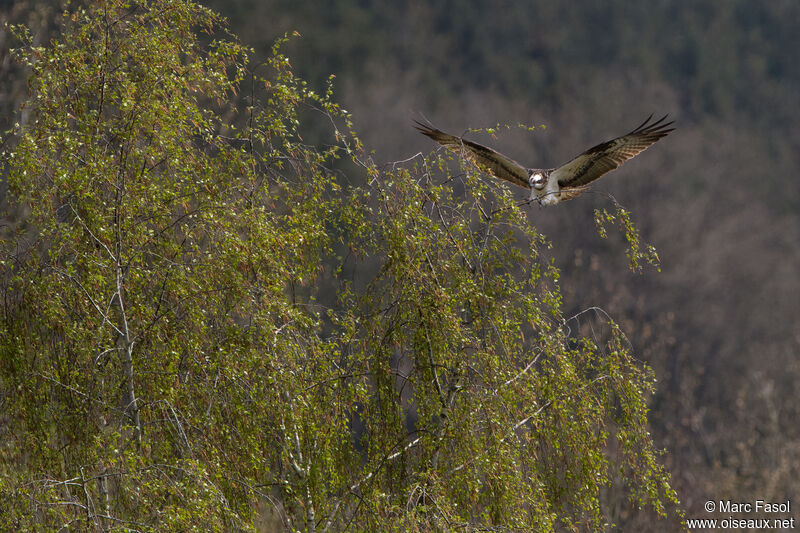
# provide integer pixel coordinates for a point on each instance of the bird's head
(537, 180)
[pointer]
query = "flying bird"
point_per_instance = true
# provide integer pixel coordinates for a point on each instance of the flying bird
(550, 186)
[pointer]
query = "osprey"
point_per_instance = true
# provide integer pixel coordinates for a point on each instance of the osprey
(552, 185)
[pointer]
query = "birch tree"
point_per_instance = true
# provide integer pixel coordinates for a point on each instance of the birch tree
(205, 326)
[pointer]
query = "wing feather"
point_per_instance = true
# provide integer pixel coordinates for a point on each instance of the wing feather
(483, 157)
(609, 155)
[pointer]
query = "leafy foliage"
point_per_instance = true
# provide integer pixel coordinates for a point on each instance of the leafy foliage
(199, 316)
(622, 219)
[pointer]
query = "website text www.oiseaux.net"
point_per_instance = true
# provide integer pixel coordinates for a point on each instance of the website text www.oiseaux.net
(779, 520)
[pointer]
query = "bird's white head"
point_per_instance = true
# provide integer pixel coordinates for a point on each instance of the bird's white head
(536, 181)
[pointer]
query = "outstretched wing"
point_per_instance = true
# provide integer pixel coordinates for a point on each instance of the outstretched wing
(607, 156)
(483, 157)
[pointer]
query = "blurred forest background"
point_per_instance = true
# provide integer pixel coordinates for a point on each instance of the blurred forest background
(719, 198)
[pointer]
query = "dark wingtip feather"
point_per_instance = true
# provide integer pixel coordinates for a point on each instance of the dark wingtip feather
(640, 126)
(421, 125)
(656, 129)
(426, 129)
